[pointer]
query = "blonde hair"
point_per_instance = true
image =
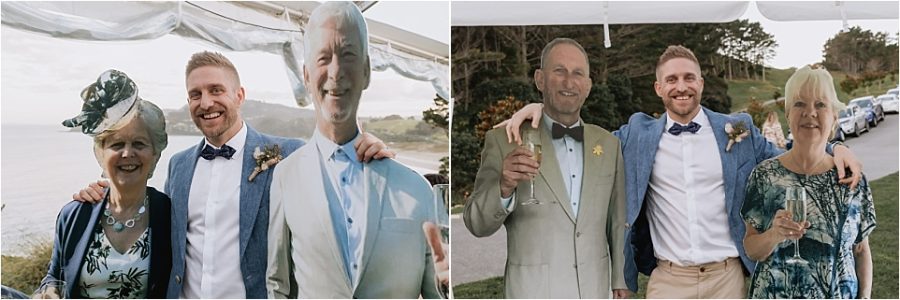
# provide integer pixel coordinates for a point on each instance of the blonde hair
(771, 117)
(811, 82)
(675, 51)
(152, 117)
(208, 58)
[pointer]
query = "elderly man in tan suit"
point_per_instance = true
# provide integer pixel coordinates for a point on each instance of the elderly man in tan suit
(569, 244)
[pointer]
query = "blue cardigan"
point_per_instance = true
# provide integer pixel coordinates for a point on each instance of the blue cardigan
(77, 221)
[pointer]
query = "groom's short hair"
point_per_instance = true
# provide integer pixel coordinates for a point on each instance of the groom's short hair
(676, 51)
(210, 58)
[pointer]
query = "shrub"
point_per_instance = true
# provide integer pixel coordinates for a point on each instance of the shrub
(24, 273)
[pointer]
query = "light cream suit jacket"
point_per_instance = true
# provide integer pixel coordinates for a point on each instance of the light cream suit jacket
(550, 253)
(304, 256)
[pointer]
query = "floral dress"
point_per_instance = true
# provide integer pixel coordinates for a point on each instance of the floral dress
(109, 274)
(839, 219)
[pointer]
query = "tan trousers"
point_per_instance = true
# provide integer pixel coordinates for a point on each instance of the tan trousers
(723, 280)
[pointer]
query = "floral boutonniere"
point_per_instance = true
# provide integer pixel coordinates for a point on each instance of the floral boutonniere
(265, 159)
(736, 134)
(598, 150)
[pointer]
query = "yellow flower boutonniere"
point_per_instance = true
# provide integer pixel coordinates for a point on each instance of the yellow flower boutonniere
(266, 158)
(736, 134)
(598, 150)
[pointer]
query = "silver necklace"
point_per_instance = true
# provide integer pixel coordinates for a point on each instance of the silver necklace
(117, 225)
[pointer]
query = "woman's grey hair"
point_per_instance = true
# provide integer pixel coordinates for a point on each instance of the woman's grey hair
(152, 117)
(345, 13)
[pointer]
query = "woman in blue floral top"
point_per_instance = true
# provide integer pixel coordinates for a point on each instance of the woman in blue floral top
(834, 239)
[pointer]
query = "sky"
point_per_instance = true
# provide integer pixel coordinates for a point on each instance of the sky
(41, 77)
(801, 42)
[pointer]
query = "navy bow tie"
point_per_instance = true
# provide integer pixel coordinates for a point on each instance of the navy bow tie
(558, 132)
(678, 129)
(209, 153)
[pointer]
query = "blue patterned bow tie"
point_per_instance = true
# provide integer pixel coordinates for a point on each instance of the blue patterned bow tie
(209, 153)
(677, 129)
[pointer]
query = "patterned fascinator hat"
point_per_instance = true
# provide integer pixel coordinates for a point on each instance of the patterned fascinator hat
(105, 102)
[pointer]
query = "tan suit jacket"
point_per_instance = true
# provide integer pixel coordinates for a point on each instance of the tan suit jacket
(551, 254)
(304, 257)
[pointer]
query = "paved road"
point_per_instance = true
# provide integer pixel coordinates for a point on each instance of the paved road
(480, 258)
(475, 258)
(878, 149)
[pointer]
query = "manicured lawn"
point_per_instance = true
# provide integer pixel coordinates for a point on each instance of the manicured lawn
(883, 242)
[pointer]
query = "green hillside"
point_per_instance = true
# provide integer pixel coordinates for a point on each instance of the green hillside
(741, 90)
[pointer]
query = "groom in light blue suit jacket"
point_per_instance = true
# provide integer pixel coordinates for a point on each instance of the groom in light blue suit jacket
(674, 190)
(254, 211)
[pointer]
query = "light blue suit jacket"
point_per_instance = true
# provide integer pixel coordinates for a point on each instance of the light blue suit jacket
(640, 140)
(254, 214)
(304, 255)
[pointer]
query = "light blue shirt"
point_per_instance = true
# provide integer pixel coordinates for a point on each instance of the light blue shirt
(346, 191)
(570, 157)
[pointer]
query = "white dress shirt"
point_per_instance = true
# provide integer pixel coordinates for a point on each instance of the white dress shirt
(570, 158)
(213, 262)
(686, 209)
(347, 203)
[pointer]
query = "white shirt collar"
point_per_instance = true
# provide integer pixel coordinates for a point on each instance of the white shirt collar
(237, 141)
(700, 118)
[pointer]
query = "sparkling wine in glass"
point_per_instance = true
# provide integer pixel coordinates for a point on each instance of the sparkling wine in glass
(532, 139)
(795, 203)
(51, 289)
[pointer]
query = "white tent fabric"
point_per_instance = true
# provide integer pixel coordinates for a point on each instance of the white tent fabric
(500, 13)
(508, 13)
(230, 25)
(828, 10)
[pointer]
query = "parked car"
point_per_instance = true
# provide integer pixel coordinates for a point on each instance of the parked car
(874, 113)
(890, 103)
(894, 91)
(879, 108)
(852, 120)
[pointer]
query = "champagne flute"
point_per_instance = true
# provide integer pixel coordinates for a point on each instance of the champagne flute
(532, 139)
(442, 221)
(795, 203)
(51, 289)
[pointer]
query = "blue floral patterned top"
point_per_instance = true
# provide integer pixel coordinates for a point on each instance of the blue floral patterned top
(839, 219)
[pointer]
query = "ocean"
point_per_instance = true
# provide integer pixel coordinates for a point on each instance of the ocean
(43, 165)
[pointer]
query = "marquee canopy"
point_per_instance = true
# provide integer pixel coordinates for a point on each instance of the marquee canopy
(271, 26)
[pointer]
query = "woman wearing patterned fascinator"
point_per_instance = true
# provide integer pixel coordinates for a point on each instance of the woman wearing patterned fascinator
(121, 246)
(808, 233)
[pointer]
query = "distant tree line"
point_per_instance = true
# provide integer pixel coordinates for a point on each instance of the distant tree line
(866, 57)
(493, 74)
